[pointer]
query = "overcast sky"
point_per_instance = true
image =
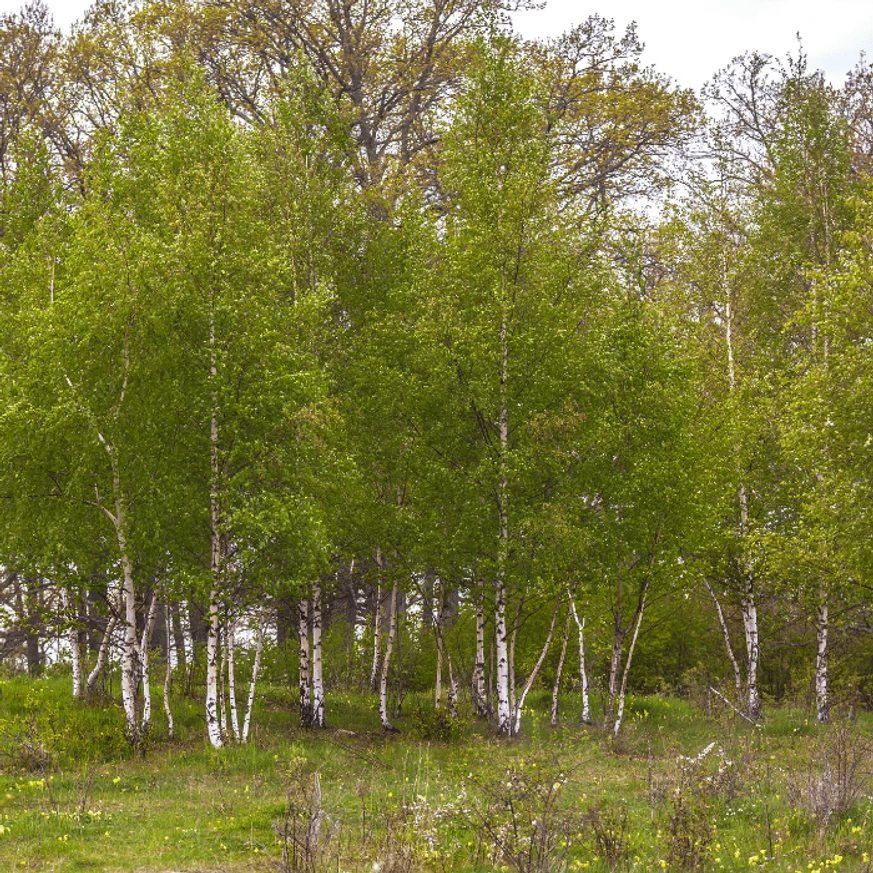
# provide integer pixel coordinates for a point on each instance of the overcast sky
(688, 39)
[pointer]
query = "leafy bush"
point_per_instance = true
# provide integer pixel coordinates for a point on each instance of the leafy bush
(436, 725)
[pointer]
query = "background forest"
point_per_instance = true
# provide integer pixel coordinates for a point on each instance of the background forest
(367, 350)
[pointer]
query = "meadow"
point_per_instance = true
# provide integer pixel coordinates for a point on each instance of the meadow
(680, 788)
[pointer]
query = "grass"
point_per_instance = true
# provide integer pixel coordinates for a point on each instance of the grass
(354, 799)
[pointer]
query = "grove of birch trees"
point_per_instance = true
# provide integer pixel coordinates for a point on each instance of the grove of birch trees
(354, 345)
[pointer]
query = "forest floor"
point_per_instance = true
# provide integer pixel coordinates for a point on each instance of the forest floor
(678, 789)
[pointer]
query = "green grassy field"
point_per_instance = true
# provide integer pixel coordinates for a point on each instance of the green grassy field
(678, 789)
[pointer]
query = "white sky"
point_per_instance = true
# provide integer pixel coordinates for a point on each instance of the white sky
(687, 39)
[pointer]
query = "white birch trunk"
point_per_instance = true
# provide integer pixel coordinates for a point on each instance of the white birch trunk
(213, 728)
(128, 646)
(491, 673)
(452, 691)
(749, 607)
(750, 627)
(504, 715)
(377, 626)
(317, 662)
(738, 679)
(231, 681)
(641, 608)
(556, 688)
(618, 637)
(102, 655)
(213, 725)
(222, 686)
(822, 704)
(438, 690)
(303, 635)
(480, 700)
(583, 674)
(504, 711)
(168, 676)
(144, 645)
(255, 669)
(386, 663)
(519, 708)
(75, 648)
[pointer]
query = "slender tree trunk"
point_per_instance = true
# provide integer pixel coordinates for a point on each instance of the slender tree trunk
(738, 679)
(222, 683)
(73, 641)
(583, 673)
(304, 680)
(438, 689)
(351, 623)
(822, 704)
(557, 686)
(178, 634)
(303, 635)
(530, 680)
(480, 700)
(750, 626)
(377, 625)
(102, 653)
(168, 676)
(255, 669)
(641, 608)
(504, 714)
(144, 647)
(128, 647)
(491, 675)
(452, 691)
(504, 677)
(213, 728)
(231, 680)
(386, 663)
(618, 637)
(25, 606)
(317, 661)
(749, 607)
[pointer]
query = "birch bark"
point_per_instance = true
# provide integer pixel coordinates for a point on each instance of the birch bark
(73, 642)
(641, 608)
(317, 661)
(519, 708)
(377, 625)
(168, 676)
(231, 680)
(102, 655)
(504, 712)
(255, 670)
(738, 679)
(480, 700)
(583, 674)
(822, 703)
(386, 663)
(559, 671)
(213, 728)
(145, 666)
(749, 605)
(304, 684)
